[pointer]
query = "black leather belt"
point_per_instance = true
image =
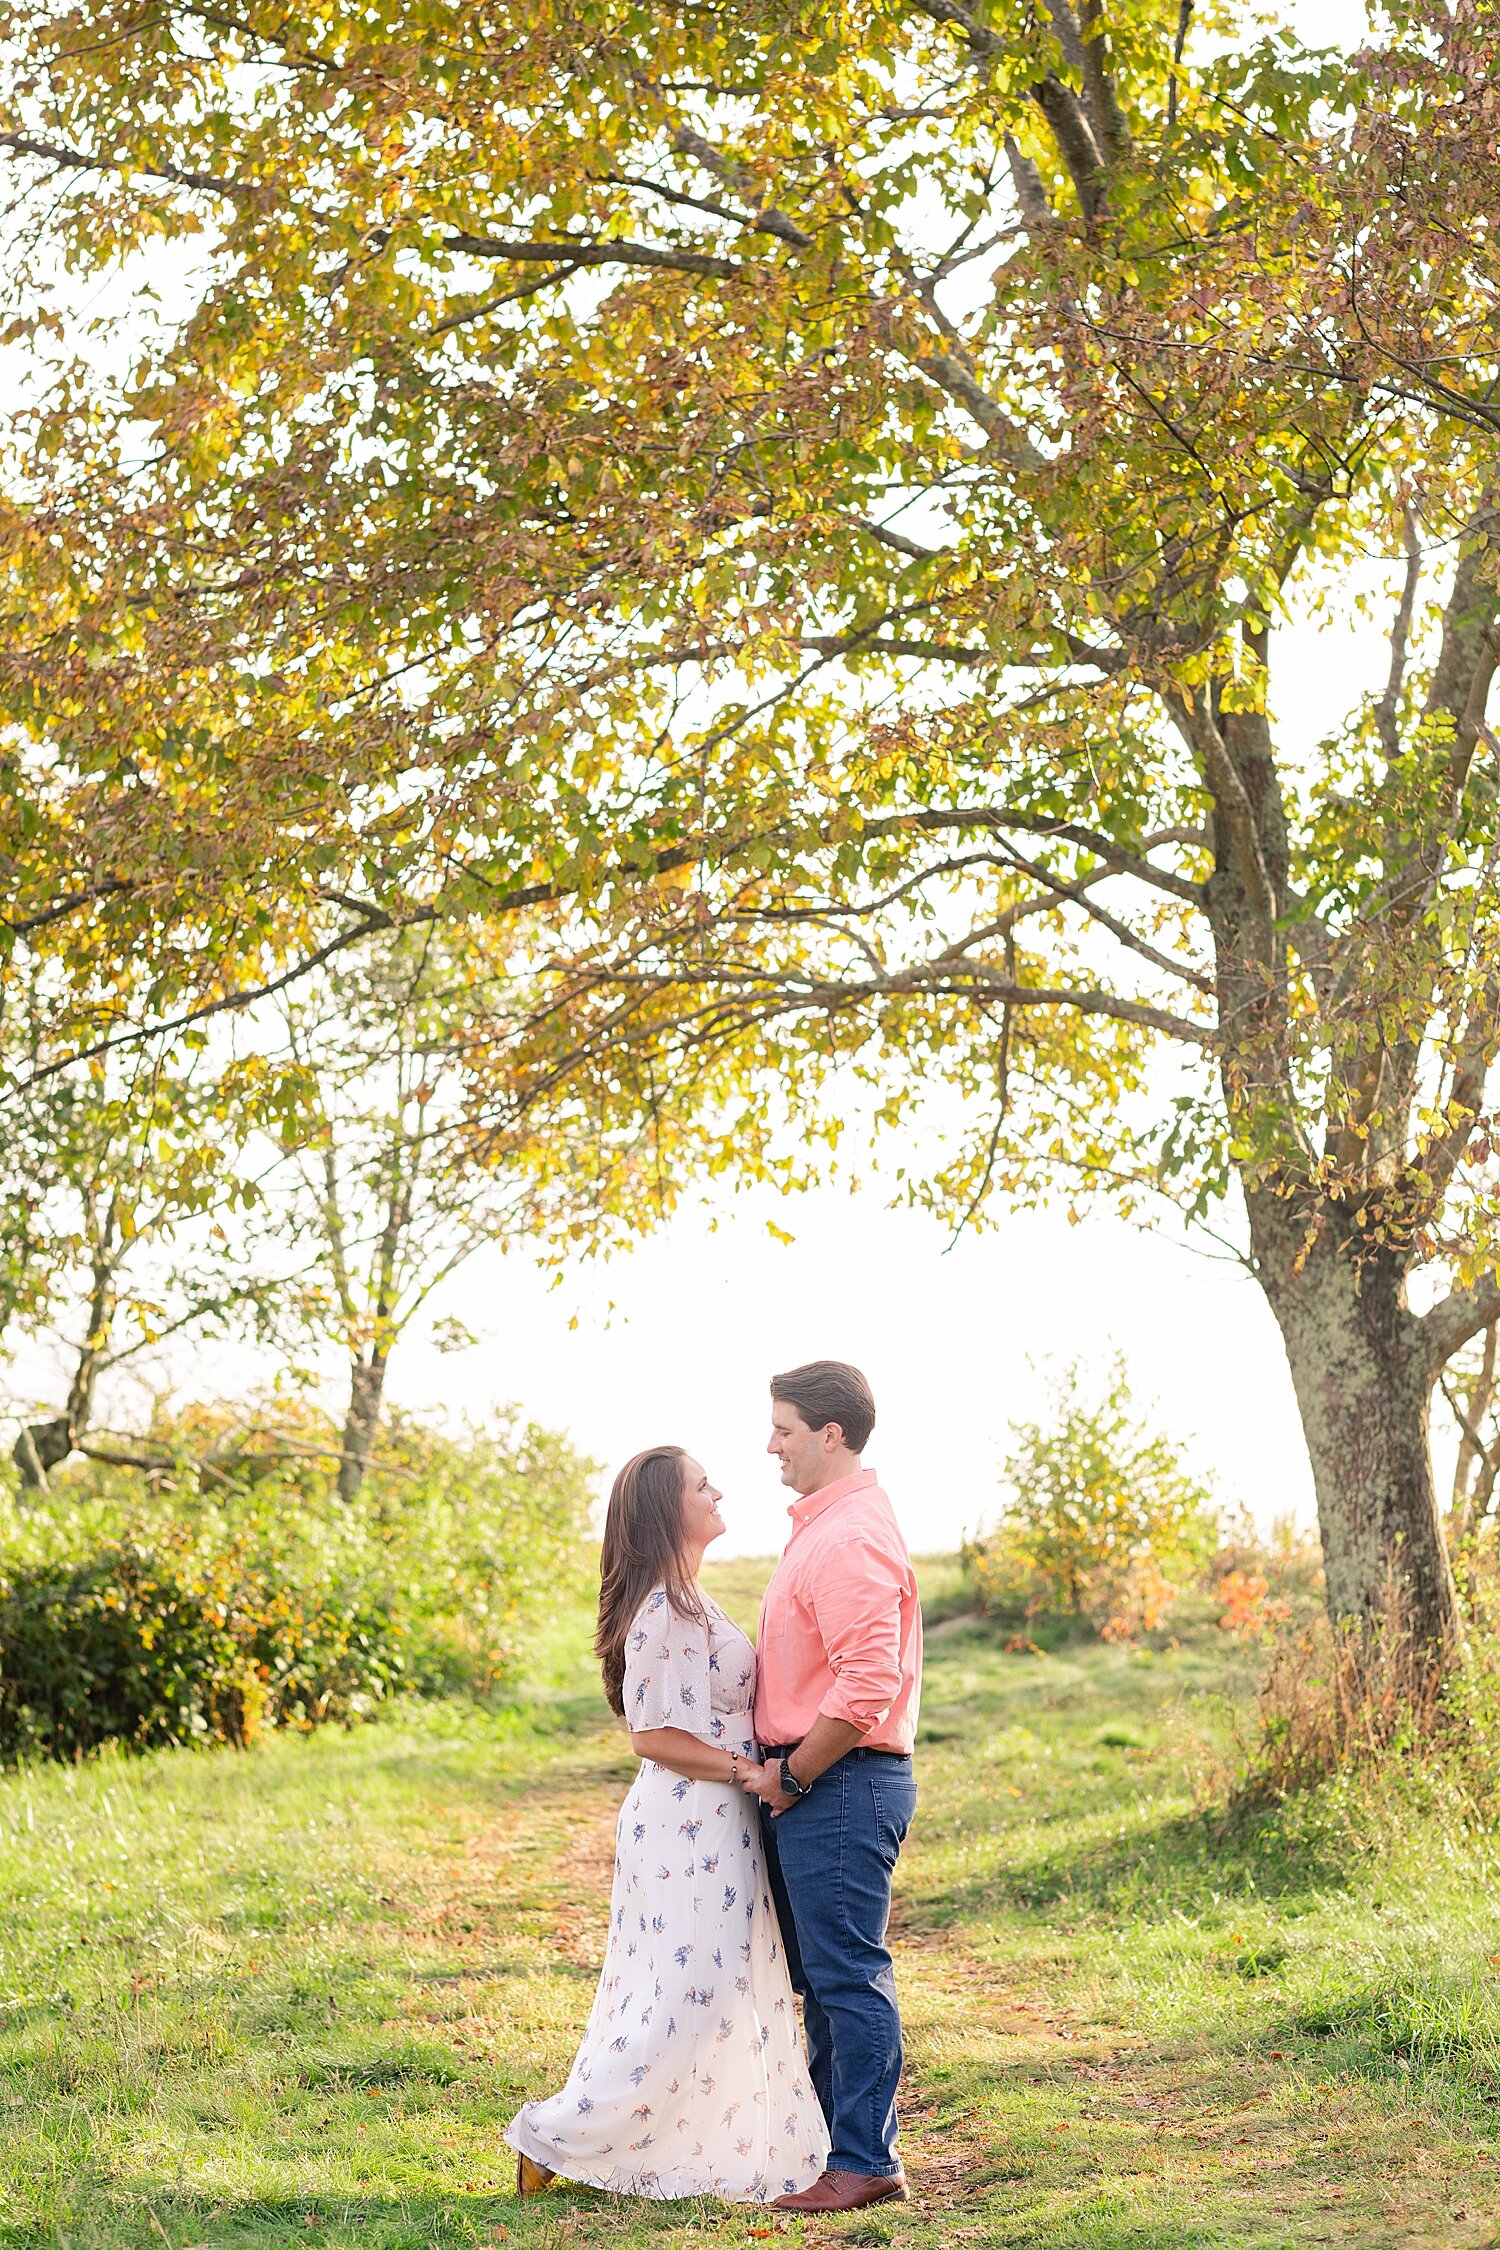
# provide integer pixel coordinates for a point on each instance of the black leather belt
(785, 1749)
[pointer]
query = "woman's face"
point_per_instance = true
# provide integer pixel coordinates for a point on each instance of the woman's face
(701, 1519)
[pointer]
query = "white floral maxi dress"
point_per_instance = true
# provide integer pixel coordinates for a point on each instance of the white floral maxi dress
(691, 2078)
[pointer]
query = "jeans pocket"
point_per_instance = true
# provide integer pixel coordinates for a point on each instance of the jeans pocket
(894, 1796)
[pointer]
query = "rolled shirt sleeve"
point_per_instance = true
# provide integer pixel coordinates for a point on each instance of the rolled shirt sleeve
(856, 1601)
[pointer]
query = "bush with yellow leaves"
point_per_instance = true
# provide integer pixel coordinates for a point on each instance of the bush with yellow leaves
(1103, 1520)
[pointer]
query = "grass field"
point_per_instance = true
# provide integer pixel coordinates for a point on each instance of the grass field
(293, 1995)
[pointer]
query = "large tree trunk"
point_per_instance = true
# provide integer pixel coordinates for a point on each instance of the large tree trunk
(361, 1423)
(1363, 1380)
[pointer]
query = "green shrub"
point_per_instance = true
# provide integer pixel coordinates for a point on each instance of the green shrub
(1103, 1521)
(184, 1640)
(231, 1589)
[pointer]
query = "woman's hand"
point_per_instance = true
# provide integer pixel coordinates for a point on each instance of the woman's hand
(756, 1781)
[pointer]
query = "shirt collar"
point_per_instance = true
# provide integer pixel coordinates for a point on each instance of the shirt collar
(810, 1505)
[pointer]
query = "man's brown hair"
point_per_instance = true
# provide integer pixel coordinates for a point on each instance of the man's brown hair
(829, 1390)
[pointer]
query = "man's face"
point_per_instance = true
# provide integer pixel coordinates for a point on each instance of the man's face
(802, 1452)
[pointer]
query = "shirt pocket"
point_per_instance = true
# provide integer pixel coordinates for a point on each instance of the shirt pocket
(773, 1620)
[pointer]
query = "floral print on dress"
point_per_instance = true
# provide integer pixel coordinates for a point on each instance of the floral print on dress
(675, 2048)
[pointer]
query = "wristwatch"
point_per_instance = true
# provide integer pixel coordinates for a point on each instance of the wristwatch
(790, 1785)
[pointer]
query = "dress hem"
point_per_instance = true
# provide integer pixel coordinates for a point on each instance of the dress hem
(655, 2187)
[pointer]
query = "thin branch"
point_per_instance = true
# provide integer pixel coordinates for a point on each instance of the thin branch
(978, 981)
(1076, 895)
(1184, 18)
(110, 887)
(980, 817)
(73, 160)
(576, 253)
(896, 540)
(1386, 711)
(766, 218)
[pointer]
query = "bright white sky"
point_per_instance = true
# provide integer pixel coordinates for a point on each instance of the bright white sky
(676, 1340)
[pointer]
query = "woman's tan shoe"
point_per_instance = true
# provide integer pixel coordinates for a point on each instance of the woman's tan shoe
(532, 2179)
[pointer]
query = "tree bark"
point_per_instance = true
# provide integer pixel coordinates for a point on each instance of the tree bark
(361, 1424)
(1363, 1379)
(43, 1446)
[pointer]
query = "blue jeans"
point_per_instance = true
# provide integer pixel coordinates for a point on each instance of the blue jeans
(830, 1858)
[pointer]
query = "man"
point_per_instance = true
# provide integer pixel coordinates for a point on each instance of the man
(840, 1661)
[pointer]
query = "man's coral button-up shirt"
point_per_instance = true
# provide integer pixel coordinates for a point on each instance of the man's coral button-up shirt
(840, 1625)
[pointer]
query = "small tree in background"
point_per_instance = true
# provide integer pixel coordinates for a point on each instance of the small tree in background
(129, 1167)
(1104, 1521)
(385, 1186)
(1469, 1386)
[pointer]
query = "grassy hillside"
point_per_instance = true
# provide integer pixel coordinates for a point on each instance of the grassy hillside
(294, 1994)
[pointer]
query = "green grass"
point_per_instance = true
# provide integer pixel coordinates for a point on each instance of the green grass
(294, 1995)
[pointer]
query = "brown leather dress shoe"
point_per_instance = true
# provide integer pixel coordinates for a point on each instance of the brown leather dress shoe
(846, 2191)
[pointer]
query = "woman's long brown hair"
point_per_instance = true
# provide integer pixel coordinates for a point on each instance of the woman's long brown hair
(642, 1550)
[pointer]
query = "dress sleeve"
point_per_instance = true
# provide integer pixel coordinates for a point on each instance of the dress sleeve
(666, 1670)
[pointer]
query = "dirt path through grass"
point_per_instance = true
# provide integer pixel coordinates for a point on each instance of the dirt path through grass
(293, 1996)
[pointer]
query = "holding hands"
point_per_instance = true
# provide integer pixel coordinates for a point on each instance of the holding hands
(764, 1782)
(758, 1781)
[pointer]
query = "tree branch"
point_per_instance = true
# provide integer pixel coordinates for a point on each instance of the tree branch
(983, 45)
(977, 980)
(73, 160)
(1098, 79)
(953, 371)
(764, 218)
(1076, 145)
(577, 253)
(896, 540)
(1441, 1155)
(1387, 709)
(1234, 806)
(979, 818)
(1470, 649)
(1451, 1322)
(1031, 195)
(1075, 895)
(110, 887)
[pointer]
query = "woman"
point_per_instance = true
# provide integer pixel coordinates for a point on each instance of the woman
(691, 2078)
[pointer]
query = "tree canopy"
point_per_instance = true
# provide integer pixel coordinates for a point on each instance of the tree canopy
(802, 503)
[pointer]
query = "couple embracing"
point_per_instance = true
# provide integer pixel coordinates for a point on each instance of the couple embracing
(755, 1849)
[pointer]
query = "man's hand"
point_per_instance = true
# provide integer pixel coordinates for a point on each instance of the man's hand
(827, 1741)
(771, 1793)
